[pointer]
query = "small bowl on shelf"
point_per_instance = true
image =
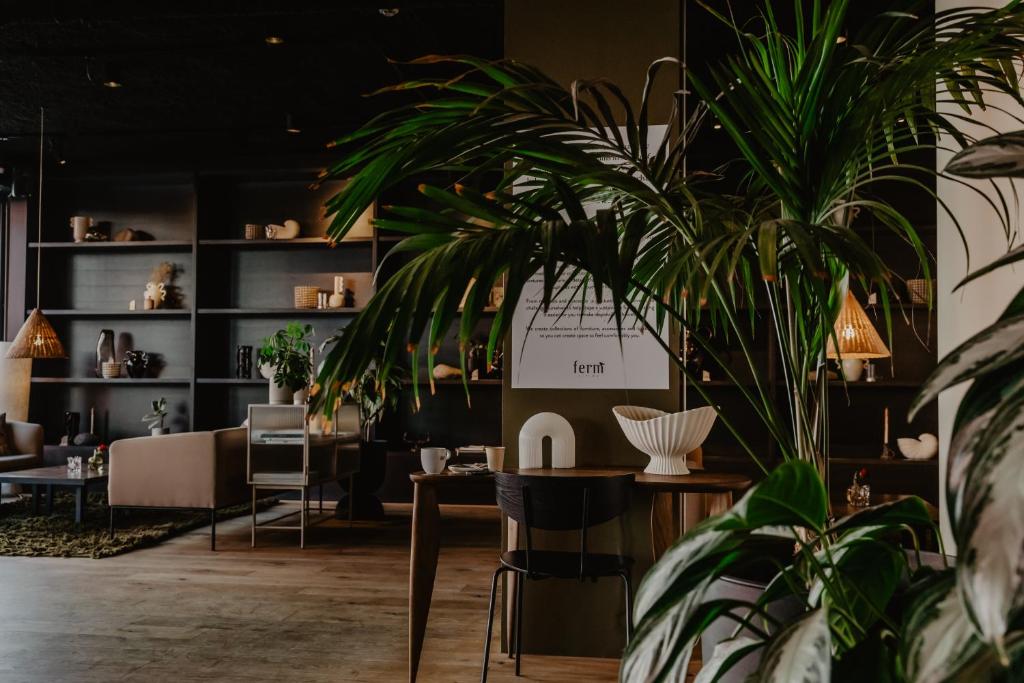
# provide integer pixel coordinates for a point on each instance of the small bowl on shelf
(665, 437)
(111, 370)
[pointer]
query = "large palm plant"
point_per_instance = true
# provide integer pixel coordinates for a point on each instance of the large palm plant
(820, 127)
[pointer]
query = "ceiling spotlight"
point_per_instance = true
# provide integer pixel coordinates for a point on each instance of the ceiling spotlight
(289, 125)
(63, 162)
(717, 126)
(388, 11)
(274, 40)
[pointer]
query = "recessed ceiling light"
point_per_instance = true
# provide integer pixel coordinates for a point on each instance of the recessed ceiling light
(274, 40)
(388, 11)
(63, 162)
(717, 126)
(112, 83)
(290, 127)
(840, 40)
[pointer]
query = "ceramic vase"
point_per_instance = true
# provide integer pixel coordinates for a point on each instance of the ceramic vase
(104, 350)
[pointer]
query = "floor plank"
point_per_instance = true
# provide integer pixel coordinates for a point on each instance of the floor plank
(333, 612)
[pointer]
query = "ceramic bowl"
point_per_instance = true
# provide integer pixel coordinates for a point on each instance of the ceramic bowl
(924, 448)
(665, 437)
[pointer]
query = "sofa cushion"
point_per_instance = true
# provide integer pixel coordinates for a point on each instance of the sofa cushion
(5, 437)
(10, 463)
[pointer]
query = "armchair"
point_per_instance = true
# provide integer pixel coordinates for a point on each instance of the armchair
(191, 471)
(27, 439)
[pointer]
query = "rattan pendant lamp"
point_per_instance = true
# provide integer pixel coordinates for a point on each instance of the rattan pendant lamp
(858, 340)
(37, 338)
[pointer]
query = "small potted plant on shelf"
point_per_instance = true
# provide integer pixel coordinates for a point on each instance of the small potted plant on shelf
(285, 359)
(155, 418)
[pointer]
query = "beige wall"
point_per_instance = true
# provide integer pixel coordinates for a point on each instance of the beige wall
(962, 314)
(576, 39)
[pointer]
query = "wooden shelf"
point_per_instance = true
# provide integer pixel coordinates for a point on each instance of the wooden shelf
(252, 381)
(120, 380)
(884, 384)
(141, 245)
(115, 313)
(298, 242)
(279, 312)
(424, 382)
(898, 461)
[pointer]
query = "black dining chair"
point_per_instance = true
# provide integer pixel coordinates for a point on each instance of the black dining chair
(556, 503)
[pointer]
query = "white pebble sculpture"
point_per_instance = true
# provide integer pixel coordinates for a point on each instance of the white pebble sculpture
(531, 441)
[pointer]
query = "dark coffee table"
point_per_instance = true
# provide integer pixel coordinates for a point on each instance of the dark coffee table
(58, 475)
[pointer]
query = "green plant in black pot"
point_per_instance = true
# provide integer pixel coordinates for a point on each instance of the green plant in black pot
(288, 354)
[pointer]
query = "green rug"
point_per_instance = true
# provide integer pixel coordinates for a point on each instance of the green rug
(57, 535)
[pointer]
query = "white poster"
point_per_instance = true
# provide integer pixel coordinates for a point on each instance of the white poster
(560, 350)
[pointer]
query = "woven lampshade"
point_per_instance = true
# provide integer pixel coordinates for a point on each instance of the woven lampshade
(36, 339)
(857, 337)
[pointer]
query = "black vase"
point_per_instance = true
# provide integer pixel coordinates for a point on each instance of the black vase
(104, 350)
(137, 363)
(243, 362)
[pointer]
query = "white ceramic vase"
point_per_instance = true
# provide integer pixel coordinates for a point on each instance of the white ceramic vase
(665, 437)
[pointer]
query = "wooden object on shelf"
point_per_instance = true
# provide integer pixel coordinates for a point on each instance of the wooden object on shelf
(306, 296)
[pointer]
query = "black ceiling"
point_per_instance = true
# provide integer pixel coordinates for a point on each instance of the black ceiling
(202, 72)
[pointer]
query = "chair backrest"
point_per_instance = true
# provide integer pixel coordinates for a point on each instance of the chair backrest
(563, 503)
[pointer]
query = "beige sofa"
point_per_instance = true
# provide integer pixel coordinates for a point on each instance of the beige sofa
(27, 452)
(195, 471)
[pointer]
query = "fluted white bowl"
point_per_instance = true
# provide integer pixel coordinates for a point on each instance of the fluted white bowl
(665, 437)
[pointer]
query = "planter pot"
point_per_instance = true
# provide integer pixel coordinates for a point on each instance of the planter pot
(280, 395)
(748, 586)
(266, 371)
(159, 431)
(299, 397)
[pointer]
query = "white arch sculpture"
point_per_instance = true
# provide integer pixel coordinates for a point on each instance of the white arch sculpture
(531, 441)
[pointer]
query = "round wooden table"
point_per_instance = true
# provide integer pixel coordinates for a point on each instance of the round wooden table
(666, 523)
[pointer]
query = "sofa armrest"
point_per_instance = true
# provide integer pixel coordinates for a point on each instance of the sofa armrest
(232, 483)
(27, 439)
(172, 471)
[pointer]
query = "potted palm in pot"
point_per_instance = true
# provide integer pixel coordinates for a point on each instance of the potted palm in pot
(285, 358)
(819, 126)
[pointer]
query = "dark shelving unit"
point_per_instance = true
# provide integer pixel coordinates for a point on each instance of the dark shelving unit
(231, 291)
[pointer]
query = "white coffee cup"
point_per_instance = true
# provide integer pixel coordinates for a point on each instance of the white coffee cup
(79, 227)
(495, 457)
(434, 459)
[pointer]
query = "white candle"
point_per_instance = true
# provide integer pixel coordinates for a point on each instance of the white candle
(885, 435)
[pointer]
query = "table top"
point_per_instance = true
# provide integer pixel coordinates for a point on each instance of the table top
(697, 481)
(57, 475)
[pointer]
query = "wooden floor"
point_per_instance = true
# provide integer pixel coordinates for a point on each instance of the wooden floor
(333, 612)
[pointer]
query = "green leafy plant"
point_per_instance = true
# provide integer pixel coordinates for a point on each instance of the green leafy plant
(823, 128)
(819, 127)
(155, 418)
(289, 352)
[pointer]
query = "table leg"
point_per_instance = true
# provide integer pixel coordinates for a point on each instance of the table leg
(80, 498)
(426, 522)
(666, 522)
(719, 502)
(35, 499)
(49, 499)
(510, 596)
